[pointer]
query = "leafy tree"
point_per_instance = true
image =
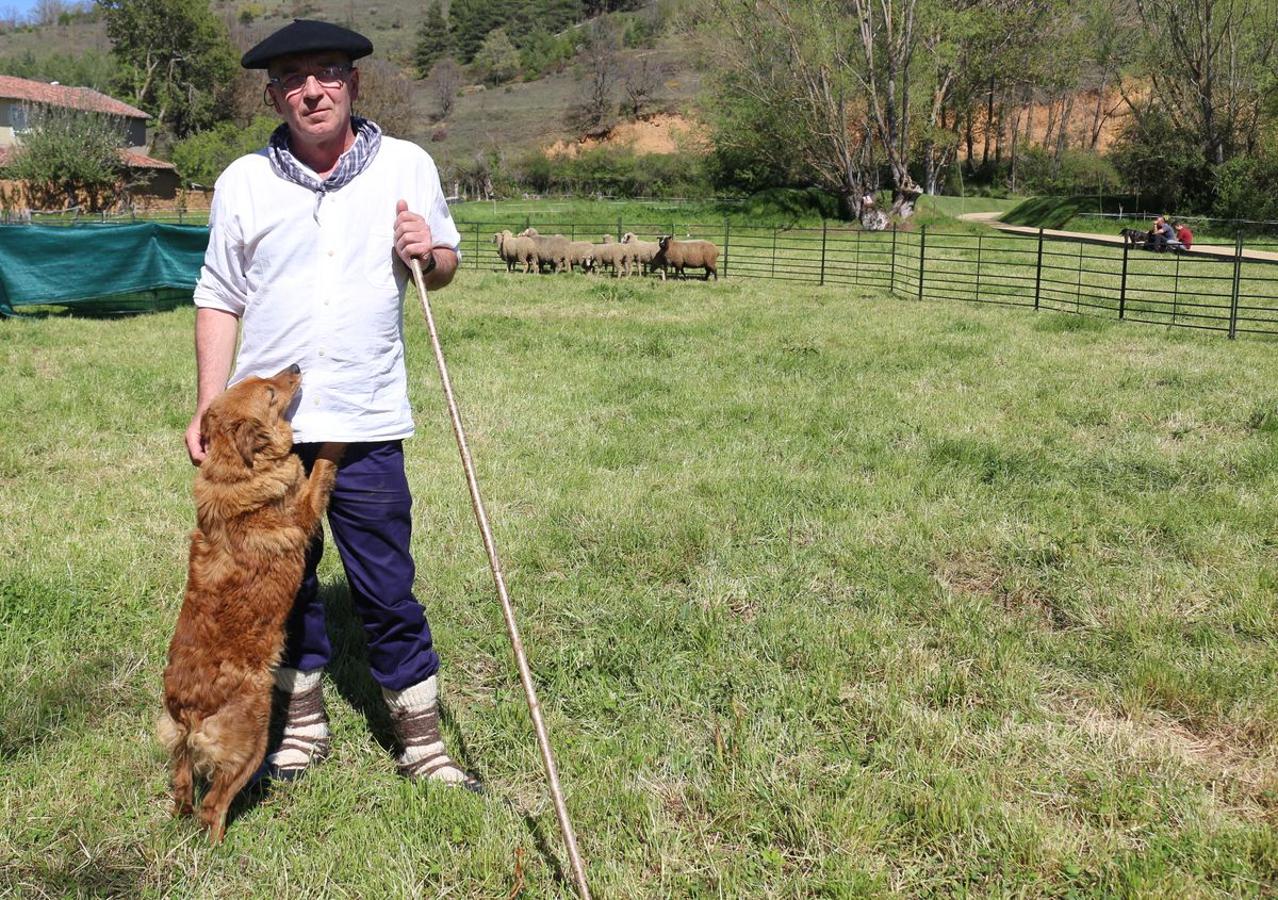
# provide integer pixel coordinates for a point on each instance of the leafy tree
(69, 154)
(202, 157)
(497, 60)
(175, 57)
(1208, 62)
(434, 40)
(471, 20)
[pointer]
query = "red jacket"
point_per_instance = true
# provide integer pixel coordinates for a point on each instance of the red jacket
(1185, 236)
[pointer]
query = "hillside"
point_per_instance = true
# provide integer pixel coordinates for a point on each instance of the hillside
(510, 119)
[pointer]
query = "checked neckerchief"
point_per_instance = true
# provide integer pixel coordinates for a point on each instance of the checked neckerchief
(368, 138)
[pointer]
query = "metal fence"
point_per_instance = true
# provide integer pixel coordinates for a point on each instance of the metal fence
(1231, 290)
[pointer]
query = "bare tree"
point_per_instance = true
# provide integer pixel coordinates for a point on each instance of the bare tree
(640, 82)
(445, 81)
(386, 97)
(601, 71)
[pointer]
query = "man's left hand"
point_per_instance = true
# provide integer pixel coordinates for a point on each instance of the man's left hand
(412, 234)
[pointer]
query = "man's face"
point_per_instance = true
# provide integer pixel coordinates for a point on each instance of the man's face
(314, 92)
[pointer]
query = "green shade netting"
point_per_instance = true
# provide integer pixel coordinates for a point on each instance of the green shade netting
(100, 268)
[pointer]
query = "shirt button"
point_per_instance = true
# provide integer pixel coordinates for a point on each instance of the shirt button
(321, 353)
(332, 253)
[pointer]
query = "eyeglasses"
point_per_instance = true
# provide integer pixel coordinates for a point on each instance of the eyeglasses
(327, 76)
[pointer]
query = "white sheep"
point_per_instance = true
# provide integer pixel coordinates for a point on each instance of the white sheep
(641, 251)
(615, 256)
(551, 249)
(515, 250)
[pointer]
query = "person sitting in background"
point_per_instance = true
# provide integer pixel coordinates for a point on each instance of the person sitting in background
(1159, 235)
(1183, 235)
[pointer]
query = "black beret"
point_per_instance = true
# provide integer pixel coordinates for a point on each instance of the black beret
(307, 36)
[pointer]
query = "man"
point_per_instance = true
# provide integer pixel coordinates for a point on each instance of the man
(309, 241)
(1160, 235)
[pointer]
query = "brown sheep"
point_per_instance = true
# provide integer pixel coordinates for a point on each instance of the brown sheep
(679, 255)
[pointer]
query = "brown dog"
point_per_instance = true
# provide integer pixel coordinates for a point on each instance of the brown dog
(256, 512)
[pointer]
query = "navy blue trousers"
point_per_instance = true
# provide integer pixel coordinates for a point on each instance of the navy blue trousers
(370, 518)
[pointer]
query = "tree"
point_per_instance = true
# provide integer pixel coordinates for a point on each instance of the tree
(445, 81)
(471, 21)
(600, 68)
(497, 60)
(1221, 52)
(787, 106)
(175, 58)
(68, 155)
(386, 97)
(202, 157)
(640, 82)
(434, 40)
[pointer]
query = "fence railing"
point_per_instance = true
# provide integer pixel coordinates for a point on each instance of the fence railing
(1232, 291)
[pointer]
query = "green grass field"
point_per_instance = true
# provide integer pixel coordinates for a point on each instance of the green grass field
(826, 594)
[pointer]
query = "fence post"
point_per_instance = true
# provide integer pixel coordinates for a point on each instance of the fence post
(922, 256)
(619, 231)
(1038, 269)
(527, 221)
(1233, 301)
(727, 242)
(892, 268)
(774, 251)
(1122, 285)
(823, 228)
(476, 246)
(979, 241)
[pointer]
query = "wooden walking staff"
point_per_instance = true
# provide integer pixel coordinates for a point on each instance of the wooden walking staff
(525, 674)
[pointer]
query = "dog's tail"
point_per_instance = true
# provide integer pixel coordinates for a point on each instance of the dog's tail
(191, 738)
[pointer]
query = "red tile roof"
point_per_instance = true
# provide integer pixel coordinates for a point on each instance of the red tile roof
(131, 159)
(14, 88)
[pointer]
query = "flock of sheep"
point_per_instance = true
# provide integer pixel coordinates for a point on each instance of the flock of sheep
(558, 254)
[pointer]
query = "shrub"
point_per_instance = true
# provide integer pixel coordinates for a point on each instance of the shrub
(1247, 188)
(68, 156)
(1162, 164)
(497, 60)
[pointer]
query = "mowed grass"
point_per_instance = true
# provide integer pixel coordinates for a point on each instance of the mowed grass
(826, 594)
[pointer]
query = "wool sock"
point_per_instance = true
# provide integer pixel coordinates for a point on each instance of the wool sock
(415, 715)
(305, 739)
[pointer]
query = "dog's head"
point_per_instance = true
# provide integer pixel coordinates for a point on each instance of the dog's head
(248, 420)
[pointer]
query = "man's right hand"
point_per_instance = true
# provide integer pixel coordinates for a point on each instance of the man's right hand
(195, 440)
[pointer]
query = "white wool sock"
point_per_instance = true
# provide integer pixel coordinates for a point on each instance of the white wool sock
(305, 722)
(415, 714)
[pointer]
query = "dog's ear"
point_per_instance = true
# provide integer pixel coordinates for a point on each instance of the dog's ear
(245, 440)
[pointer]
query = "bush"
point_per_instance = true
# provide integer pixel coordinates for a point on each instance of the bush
(1077, 172)
(613, 173)
(1247, 188)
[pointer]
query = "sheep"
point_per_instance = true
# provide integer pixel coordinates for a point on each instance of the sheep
(680, 254)
(581, 253)
(642, 251)
(551, 249)
(515, 250)
(616, 256)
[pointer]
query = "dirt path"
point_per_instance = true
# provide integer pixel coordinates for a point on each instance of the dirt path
(991, 219)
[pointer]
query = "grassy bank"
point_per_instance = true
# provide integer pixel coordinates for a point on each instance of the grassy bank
(825, 593)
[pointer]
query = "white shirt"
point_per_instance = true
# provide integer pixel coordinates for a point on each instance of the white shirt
(314, 281)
